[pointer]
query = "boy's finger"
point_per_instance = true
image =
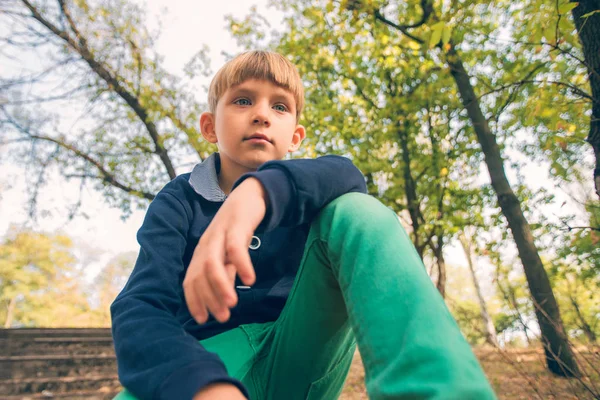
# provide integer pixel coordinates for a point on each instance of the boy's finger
(218, 279)
(214, 303)
(231, 272)
(194, 302)
(236, 251)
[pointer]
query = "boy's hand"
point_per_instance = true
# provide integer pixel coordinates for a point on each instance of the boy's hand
(222, 251)
(220, 391)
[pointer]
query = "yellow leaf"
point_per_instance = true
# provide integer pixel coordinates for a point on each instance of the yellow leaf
(414, 45)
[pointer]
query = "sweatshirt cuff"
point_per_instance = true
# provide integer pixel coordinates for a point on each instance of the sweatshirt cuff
(186, 382)
(280, 192)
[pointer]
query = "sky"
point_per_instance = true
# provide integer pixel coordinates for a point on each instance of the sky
(187, 25)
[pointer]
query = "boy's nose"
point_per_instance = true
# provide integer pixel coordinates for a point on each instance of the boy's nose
(261, 120)
(261, 116)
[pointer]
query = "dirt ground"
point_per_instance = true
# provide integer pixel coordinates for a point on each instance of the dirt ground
(514, 374)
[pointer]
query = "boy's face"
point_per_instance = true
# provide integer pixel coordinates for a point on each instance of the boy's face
(254, 122)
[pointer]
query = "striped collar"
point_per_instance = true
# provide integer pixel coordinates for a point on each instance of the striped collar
(204, 179)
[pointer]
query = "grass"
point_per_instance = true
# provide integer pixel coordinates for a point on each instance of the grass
(514, 374)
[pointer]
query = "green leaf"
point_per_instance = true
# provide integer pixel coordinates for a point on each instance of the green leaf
(590, 14)
(446, 34)
(537, 34)
(436, 34)
(566, 8)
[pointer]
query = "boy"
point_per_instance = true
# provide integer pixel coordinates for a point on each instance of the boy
(256, 276)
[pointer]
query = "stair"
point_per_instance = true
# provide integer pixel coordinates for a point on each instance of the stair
(57, 364)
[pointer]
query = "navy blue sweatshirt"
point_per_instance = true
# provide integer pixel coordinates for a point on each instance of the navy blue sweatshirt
(156, 338)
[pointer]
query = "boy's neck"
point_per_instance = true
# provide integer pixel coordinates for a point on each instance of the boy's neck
(229, 173)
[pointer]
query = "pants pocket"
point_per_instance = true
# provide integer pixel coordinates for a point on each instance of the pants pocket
(329, 386)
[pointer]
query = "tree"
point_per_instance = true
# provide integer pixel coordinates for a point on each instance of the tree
(386, 110)
(443, 40)
(131, 123)
(109, 282)
(559, 355)
(490, 331)
(586, 14)
(38, 281)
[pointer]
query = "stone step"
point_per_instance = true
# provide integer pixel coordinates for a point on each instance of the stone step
(57, 345)
(49, 366)
(79, 395)
(64, 385)
(54, 332)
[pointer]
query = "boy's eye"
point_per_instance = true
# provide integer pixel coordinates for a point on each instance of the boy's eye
(242, 102)
(280, 107)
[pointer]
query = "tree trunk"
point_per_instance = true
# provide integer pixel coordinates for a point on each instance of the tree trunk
(10, 312)
(412, 201)
(589, 35)
(490, 329)
(559, 355)
(441, 264)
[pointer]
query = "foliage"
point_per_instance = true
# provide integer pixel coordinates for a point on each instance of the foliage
(130, 124)
(468, 317)
(374, 98)
(38, 284)
(381, 95)
(516, 314)
(580, 307)
(575, 274)
(43, 283)
(109, 282)
(581, 248)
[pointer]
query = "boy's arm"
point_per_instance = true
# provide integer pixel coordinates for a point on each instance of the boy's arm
(156, 357)
(298, 189)
(293, 191)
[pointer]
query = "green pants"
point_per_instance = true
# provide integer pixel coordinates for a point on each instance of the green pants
(360, 281)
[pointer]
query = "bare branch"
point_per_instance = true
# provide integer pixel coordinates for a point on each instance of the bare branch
(40, 100)
(573, 88)
(80, 46)
(104, 175)
(379, 16)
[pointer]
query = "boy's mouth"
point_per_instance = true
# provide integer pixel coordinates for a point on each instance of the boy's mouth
(259, 137)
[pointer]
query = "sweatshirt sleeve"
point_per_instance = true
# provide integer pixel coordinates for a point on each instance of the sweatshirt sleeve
(298, 189)
(156, 358)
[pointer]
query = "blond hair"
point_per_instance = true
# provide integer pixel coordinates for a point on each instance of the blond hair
(257, 64)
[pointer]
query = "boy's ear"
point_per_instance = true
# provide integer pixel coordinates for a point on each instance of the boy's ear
(299, 135)
(207, 127)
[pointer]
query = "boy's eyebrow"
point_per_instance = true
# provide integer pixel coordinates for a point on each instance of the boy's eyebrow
(241, 90)
(280, 95)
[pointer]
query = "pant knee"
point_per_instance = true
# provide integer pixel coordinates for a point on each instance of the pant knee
(357, 209)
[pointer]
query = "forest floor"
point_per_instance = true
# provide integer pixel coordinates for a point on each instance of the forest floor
(514, 374)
